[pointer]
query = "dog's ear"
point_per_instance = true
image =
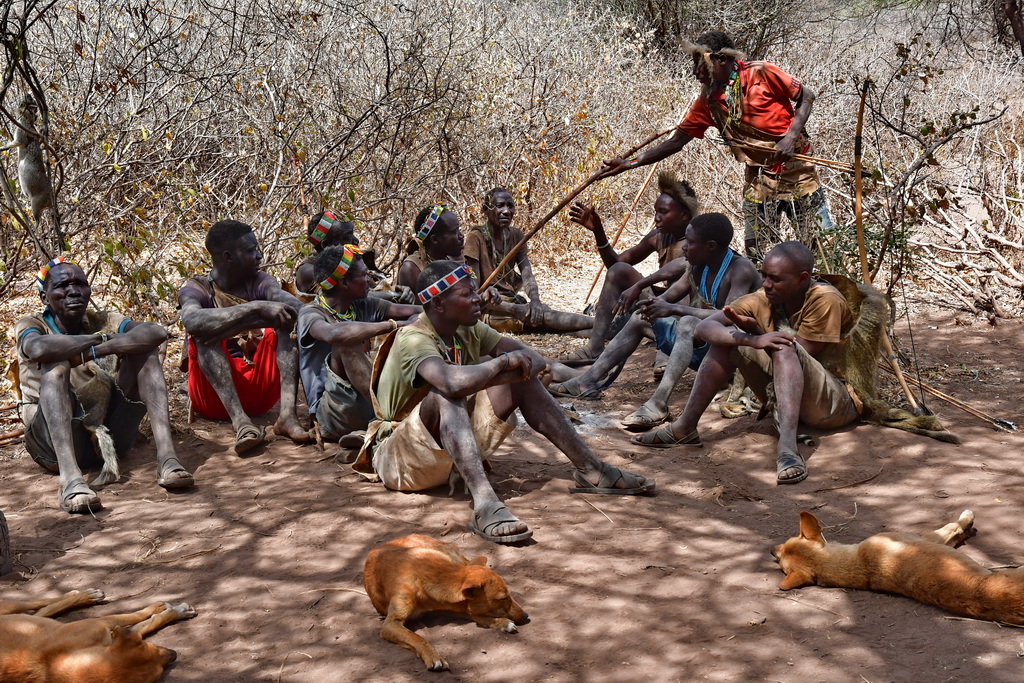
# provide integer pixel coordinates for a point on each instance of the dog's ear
(796, 579)
(472, 590)
(810, 528)
(480, 561)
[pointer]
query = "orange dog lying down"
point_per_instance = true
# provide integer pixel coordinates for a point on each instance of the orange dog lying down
(36, 649)
(924, 567)
(418, 574)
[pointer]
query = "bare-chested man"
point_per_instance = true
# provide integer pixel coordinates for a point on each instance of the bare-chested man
(675, 207)
(443, 406)
(232, 379)
(95, 370)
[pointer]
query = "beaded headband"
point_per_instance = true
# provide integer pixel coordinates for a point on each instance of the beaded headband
(351, 251)
(323, 227)
(428, 225)
(436, 289)
(45, 270)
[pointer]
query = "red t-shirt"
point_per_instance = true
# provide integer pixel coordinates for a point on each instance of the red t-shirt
(768, 94)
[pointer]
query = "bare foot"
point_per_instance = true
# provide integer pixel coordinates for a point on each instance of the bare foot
(293, 430)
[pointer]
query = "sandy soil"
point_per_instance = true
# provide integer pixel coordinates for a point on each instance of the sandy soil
(679, 586)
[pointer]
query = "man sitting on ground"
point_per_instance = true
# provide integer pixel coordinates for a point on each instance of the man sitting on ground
(81, 369)
(325, 230)
(234, 379)
(716, 277)
(437, 238)
(673, 210)
(440, 405)
(334, 328)
(775, 337)
(486, 247)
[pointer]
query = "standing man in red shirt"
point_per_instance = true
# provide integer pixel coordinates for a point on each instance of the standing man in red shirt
(753, 105)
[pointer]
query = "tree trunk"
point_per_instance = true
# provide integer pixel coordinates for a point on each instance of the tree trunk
(1012, 11)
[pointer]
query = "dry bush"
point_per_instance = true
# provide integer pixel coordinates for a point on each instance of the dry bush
(169, 116)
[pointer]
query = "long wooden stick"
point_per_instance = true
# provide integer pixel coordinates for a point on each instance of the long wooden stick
(561, 205)
(862, 250)
(622, 226)
(996, 422)
(837, 165)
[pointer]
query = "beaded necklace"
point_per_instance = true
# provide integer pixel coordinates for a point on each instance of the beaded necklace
(734, 96)
(347, 316)
(446, 350)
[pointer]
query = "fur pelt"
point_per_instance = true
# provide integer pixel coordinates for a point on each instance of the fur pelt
(95, 396)
(856, 361)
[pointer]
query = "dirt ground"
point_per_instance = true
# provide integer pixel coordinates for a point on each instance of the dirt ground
(679, 586)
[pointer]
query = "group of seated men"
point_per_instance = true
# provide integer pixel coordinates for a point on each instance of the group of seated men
(441, 394)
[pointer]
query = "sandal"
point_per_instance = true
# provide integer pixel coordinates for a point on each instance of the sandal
(609, 477)
(498, 514)
(249, 437)
(560, 390)
(790, 461)
(578, 358)
(643, 419)
(172, 483)
(78, 487)
(663, 438)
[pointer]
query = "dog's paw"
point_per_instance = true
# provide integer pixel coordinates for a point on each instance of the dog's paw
(184, 610)
(93, 595)
(439, 664)
(966, 519)
(505, 625)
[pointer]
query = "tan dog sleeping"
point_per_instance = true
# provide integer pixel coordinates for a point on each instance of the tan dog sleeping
(37, 649)
(419, 574)
(924, 567)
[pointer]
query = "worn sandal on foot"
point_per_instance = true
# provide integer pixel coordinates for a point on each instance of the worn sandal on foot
(559, 389)
(643, 418)
(498, 514)
(78, 487)
(663, 439)
(578, 358)
(248, 438)
(171, 483)
(790, 461)
(610, 477)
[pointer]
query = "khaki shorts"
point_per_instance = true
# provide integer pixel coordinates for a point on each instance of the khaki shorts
(825, 403)
(411, 460)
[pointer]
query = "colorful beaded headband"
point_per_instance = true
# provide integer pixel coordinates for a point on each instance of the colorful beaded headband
(323, 227)
(351, 251)
(436, 289)
(45, 270)
(428, 225)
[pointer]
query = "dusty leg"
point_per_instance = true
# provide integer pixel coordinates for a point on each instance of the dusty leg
(56, 404)
(788, 377)
(954, 533)
(352, 363)
(141, 377)
(288, 366)
(620, 277)
(678, 362)
(544, 415)
(214, 364)
(448, 421)
(558, 321)
(611, 361)
(715, 371)
(52, 606)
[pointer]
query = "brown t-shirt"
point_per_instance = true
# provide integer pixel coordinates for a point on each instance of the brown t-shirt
(481, 247)
(94, 322)
(824, 317)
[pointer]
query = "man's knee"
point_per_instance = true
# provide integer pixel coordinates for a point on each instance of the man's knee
(622, 275)
(686, 326)
(57, 373)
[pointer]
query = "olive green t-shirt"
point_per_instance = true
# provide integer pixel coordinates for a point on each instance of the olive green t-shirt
(399, 379)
